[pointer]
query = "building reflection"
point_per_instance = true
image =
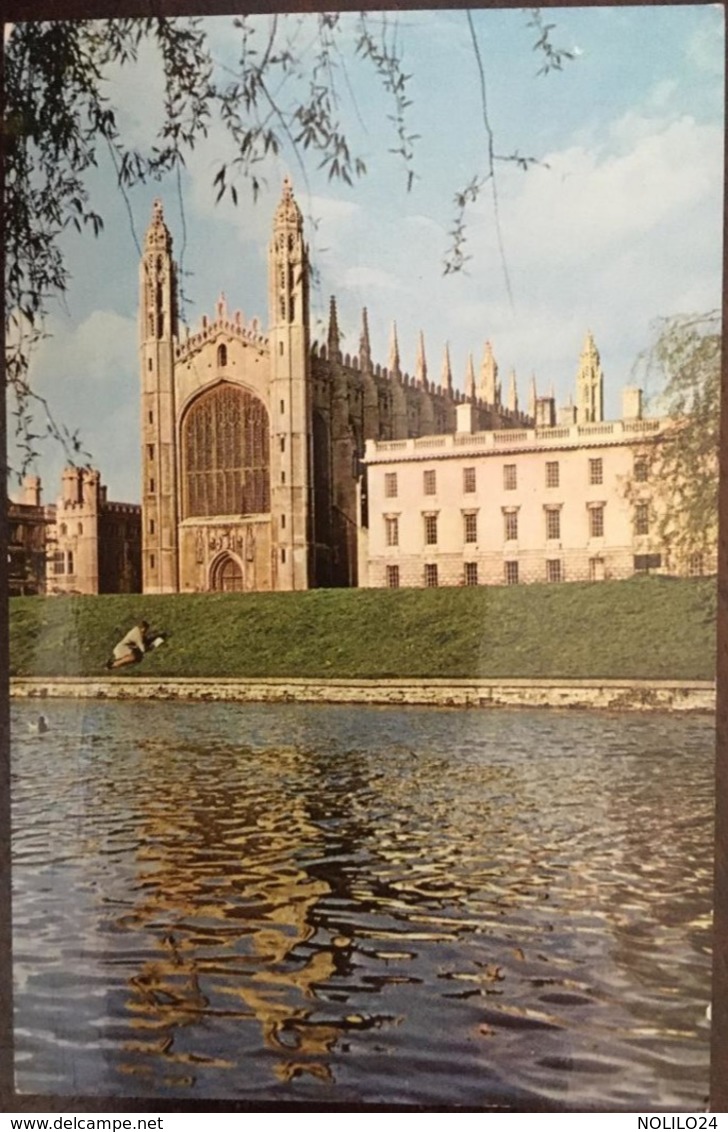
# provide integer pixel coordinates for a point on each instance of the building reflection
(219, 870)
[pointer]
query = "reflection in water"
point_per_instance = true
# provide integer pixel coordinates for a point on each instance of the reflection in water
(347, 905)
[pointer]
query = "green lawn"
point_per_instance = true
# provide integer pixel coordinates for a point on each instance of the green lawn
(645, 627)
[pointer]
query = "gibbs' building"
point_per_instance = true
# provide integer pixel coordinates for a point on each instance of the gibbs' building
(252, 443)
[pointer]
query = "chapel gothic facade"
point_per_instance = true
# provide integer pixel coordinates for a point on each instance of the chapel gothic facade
(252, 443)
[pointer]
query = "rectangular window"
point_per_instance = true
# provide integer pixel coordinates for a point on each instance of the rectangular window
(643, 563)
(596, 470)
(552, 473)
(431, 574)
(151, 417)
(391, 528)
(596, 570)
(150, 366)
(283, 406)
(283, 477)
(641, 469)
(283, 522)
(283, 443)
(510, 525)
(696, 566)
(509, 477)
(596, 522)
(642, 519)
(468, 479)
(283, 554)
(471, 573)
(59, 562)
(430, 530)
(151, 561)
(151, 526)
(151, 487)
(150, 451)
(511, 573)
(553, 569)
(393, 577)
(70, 562)
(429, 482)
(553, 523)
(390, 485)
(470, 521)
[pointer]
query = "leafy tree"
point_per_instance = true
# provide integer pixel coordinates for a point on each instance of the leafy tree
(679, 471)
(289, 92)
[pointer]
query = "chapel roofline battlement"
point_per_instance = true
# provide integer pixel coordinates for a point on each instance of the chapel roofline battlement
(320, 352)
(221, 323)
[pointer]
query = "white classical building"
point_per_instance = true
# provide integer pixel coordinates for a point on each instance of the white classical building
(566, 501)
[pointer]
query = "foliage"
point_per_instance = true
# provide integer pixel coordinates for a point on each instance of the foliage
(289, 91)
(683, 467)
(646, 627)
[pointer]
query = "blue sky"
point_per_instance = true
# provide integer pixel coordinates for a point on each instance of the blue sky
(621, 223)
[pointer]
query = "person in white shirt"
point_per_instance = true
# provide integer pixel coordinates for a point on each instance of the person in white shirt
(131, 647)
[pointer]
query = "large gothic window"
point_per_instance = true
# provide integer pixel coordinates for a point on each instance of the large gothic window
(225, 454)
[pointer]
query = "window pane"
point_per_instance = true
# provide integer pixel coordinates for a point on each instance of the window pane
(430, 529)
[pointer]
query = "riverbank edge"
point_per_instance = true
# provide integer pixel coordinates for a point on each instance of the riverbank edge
(614, 695)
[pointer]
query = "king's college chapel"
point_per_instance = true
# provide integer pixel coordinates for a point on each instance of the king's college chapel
(252, 443)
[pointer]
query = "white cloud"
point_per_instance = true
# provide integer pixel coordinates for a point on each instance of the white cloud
(89, 377)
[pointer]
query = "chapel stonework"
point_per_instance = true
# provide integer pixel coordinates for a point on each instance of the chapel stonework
(252, 443)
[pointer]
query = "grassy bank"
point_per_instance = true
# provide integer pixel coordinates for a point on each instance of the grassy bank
(659, 628)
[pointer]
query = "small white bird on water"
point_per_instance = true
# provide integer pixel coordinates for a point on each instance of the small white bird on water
(40, 726)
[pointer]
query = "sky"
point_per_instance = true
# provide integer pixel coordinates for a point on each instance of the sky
(618, 225)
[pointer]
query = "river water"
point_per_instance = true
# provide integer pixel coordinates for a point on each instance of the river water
(339, 905)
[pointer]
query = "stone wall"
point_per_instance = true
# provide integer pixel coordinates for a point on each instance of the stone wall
(613, 695)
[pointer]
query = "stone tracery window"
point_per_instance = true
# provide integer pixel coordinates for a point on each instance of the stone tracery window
(225, 451)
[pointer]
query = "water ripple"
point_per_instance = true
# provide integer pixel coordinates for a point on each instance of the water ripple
(336, 904)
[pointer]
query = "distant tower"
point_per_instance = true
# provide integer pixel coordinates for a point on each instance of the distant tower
(157, 334)
(290, 397)
(589, 384)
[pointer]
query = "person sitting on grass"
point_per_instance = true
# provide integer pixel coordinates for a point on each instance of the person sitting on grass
(131, 647)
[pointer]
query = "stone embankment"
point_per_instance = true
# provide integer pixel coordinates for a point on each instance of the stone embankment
(615, 695)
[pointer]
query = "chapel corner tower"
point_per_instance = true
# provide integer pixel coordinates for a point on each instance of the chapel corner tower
(290, 399)
(157, 335)
(589, 384)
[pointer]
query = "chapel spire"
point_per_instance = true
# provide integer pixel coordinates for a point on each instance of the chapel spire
(470, 379)
(488, 375)
(446, 378)
(394, 366)
(334, 337)
(365, 349)
(512, 392)
(532, 396)
(421, 363)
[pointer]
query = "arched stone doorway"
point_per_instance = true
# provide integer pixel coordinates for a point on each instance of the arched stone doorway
(226, 575)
